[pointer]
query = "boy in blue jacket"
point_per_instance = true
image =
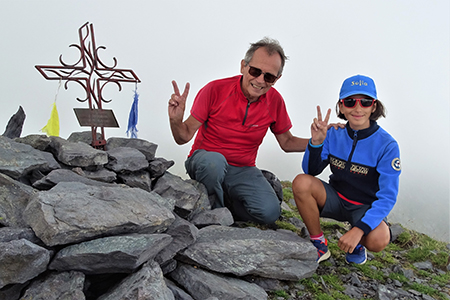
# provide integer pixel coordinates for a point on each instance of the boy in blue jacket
(365, 163)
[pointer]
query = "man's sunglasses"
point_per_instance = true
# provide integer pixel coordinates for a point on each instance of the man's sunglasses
(351, 102)
(255, 72)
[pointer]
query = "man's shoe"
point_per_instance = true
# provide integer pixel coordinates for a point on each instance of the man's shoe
(322, 250)
(358, 256)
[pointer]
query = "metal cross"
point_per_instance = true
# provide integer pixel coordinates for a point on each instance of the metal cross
(93, 75)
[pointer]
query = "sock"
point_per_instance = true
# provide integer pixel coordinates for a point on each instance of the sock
(319, 237)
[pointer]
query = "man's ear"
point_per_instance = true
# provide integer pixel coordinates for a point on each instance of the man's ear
(242, 66)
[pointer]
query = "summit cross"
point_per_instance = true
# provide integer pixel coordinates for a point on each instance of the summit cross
(93, 75)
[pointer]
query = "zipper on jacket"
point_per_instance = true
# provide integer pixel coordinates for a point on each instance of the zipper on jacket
(246, 111)
(355, 140)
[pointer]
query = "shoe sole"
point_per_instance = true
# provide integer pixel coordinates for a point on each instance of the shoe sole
(324, 257)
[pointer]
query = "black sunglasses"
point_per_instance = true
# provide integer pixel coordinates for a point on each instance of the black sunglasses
(351, 102)
(255, 72)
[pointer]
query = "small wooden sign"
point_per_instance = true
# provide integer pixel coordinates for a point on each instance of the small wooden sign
(96, 117)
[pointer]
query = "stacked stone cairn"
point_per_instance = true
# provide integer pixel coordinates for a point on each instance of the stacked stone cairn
(81, 223)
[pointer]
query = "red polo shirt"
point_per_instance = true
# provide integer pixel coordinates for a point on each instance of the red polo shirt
(231, 125)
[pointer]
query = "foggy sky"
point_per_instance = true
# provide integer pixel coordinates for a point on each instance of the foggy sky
(403, 45)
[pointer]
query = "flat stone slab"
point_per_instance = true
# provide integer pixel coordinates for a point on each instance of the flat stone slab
(74, 212)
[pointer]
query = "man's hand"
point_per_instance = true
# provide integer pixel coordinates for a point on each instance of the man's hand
(336, 125)
(177, 103)
(182, 131)
(319, 127)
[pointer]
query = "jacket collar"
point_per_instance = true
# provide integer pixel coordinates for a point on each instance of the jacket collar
(364, 133)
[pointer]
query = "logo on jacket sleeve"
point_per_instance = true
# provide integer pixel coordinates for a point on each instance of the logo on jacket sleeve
(396, 164)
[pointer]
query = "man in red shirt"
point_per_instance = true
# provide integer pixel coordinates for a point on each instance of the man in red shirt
(232, 116)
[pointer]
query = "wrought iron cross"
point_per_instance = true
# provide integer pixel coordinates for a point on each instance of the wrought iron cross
(93, 75)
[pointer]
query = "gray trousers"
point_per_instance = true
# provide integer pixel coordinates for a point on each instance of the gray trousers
(251, 196)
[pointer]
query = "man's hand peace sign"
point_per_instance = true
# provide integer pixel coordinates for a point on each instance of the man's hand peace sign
(177, 102)
(319, 127)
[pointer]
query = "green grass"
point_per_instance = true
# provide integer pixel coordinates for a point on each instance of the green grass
(409, 248)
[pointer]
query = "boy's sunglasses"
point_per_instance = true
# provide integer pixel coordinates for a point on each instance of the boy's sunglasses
(351, 102)
(255, 72)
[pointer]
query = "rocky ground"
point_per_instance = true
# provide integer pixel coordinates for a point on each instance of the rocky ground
(413, 266)
(47, 179)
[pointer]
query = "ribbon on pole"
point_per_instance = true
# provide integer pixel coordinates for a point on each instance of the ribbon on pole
(133, 118)
(52, 127)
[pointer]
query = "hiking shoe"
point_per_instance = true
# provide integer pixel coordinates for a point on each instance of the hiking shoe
(358, 256)
(322, 250)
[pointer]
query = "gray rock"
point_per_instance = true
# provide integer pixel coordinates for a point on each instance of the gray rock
(114, 254)
(352, 291)
(168, 203)
(384, 293)
(8, 234)
(51, 161)
(59, 216)
(159, 166)
(396, 230)
(15, 124)
(168, 266)
(17, 159)
(251, 251)
(268, 284)
(12, 292)
(285, 206)
(57, 286)
(146, 284)
(63, 175)
(77, 154)
(423, 265)
(14, 198)
(218, 216)
(186, 195)
(183, 233)
(102, 175)
(37, 141)
(125, 159)
(177, 292)
(202, 284)
(84, 136)
(147, 148)
(21, 260)
(139, 179)
(203, 203)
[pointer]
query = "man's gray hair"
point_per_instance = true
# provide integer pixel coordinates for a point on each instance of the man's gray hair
(272, 46)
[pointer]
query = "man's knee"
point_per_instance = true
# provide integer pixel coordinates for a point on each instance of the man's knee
(267, 214)
(212, 164)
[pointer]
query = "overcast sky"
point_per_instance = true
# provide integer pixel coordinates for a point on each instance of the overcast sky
(403, 45)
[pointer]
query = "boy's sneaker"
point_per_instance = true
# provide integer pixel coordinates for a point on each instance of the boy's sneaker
(358, 256)
(322, 250)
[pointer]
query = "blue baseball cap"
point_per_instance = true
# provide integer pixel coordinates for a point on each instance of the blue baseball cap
(358, 84)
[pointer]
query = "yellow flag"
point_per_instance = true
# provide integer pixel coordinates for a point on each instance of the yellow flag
(52, 127)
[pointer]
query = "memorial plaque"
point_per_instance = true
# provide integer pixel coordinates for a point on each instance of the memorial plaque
(96, 117)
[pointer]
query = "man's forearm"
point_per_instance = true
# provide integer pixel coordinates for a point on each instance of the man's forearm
(296, 144)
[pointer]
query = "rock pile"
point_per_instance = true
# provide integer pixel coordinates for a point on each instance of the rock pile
(81, 223)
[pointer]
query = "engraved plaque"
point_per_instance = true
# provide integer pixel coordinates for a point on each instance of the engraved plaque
(96, 117)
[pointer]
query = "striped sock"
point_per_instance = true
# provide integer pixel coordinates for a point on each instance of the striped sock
(319, 237)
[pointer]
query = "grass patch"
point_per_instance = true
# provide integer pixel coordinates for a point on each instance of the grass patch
(410, 247)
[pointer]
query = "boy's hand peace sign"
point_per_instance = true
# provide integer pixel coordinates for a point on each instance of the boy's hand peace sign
(319, 127)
